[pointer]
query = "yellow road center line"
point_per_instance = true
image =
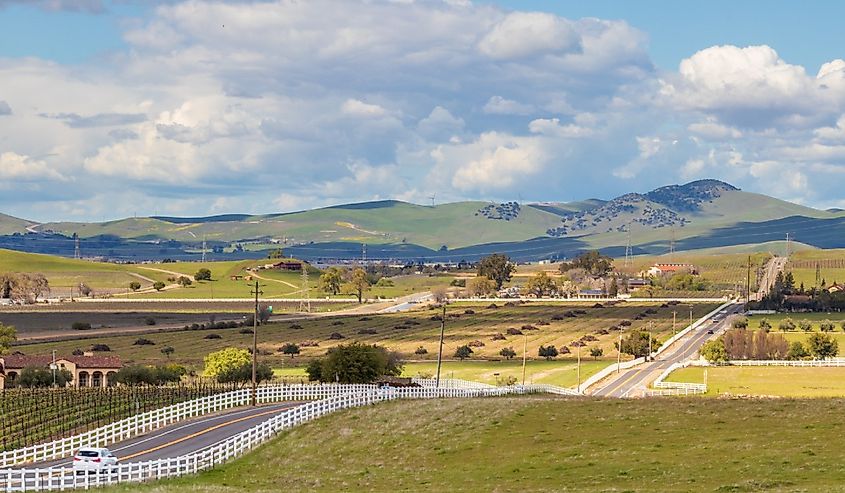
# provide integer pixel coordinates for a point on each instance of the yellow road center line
(202, 432)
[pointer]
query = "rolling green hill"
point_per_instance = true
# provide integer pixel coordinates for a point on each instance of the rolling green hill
(700, 214)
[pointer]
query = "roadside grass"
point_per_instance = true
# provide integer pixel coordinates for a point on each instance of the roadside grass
(541, 443)
(561, 372)
(766, 380)
(405, 332)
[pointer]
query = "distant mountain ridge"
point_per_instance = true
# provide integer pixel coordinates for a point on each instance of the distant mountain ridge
(692, 215)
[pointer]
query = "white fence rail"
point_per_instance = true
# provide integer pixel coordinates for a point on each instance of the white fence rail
(675, 388)
(834, 362)
(698, 323)
(62, 478)
(152, 420)
(451, 383)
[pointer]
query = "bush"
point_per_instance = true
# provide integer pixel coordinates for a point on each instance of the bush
(212, 336)
(337, 322)
(246, 330)
(827, 326)
(514, 332)
(150, 321)
(420, 351)
(476, 344)
(203, 275)
(529, 327)
(786, 325)
(548, 352)
(336, 336)
(714, 351)
(499, 337)
(296, 327)
(80, 326)
(463, 352)
(765, 325)
(805, 326)
(740, 323)
(134, 285)
(469, 312)
(33, 377)
(142, 341)
(100, 348)
(364, 319)
(367, 331)
(158, 285)
(290, 349)
(507, 353)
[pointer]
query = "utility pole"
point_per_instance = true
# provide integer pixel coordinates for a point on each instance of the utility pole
(674, 320)
(203, 248)
(649, 342)
(256, 292)
(628, 246)
(619, 352)
(787, 245)
(524, 354)
(748, 284)
(53, 367)
(440, 352)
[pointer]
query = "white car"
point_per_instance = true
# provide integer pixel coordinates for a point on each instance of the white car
(94, 460)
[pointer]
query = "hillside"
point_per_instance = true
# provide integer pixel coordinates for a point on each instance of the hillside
(699, 214)
(541, 443)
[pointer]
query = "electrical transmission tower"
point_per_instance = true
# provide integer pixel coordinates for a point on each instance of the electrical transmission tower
(818, 275)
(672, 244)
(203, 248)
(76, 252)
(628, 251)
(305, 301)
(363, 252)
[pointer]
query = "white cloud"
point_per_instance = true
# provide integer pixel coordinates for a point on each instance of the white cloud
(522, 34)
(498, 105)
(355, 107)
(17, 167)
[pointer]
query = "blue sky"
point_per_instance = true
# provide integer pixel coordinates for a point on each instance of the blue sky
(187, 107)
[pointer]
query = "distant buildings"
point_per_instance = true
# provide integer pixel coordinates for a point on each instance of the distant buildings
(669, 269)
(87, 370)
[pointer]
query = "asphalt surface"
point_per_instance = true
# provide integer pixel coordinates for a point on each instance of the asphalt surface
(187, 436)
(770, 272)
(629, 382)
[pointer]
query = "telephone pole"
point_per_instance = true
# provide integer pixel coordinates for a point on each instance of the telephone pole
(440, 352)
(256, 292)
(524, 354)
(748, 284)
(203, 248)
(578, 369)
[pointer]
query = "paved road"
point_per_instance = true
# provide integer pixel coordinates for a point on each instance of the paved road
(770, 272)
(186, 437)
(630, 382)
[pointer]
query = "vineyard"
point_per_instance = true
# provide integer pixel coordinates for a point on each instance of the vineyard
(829, 263)
(31, 416)
(722, 272)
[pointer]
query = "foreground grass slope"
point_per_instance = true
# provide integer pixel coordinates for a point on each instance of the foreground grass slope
(547, 444)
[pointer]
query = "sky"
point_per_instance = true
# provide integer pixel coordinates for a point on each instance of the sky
(111, 109)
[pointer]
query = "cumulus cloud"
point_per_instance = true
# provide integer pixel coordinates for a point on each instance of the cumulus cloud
(91, 6)
(74, 120)
(17, 167)
(5, 109)
(498, 105)
(522, 34)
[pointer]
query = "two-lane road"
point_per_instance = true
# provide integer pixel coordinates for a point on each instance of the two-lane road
(639, 377)
(186, 437)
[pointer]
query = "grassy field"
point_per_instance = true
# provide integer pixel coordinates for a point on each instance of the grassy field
(831, 265)
(813, 318)
(723, 272)
(405, 332)
(767, 381)
(561, 372)
(547, 444)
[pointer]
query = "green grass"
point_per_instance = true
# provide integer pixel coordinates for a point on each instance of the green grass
(722, 271)
(831, 266)
(547, 444)
(560, 372)
(405, 332)
(767, 380)
(814, 318)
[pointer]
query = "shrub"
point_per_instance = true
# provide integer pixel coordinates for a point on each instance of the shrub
(514, 332)
(100, 348)
(786, 325)
(203, 275)
(150, 321)
(492, 306)
(367, 331)
(598, 305)
(158, 285)
(337, 322)
(805, 325)
(335, 336)
(296, 327)
(80, 326)
(507, 352)
(78, 352)
(463, 352)
(543, 322)
(364, 319)
(547, 352)
(421, 350)
(212, 336)
(499, 337)
(740, 323)
(625, 323)
(476, 343)
(765, 325)
(469, 312)
(827, 326)
(564, 350)
(529, 327)
(355, 363)
(246, 330)
(142, 341)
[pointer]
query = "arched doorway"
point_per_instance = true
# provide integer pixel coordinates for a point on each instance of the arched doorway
(97, 379)
(83, 379)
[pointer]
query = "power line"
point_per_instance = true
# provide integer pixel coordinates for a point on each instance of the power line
(305, 301)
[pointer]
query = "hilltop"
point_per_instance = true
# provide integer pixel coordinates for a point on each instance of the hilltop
(699, 214)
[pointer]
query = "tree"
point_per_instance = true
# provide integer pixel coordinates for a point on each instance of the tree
(613, 290)
(786, 325)
(827, 326)
(714, 351)
(203, 274)
(184, 281)
(167, 351)
(358, 283)
(8, 336)
(291, 349)
(636, 344)
(740, 323)
(264, 313)
(593, 262)
(331, 280)
(805, 325)
(797, 351)
(439, 293)
(463, 352)
(481, 286)
(507, 353)
(596, 352)
(541, 285)
(149, 375)
(243, 374)
(822, 346)
(85, 290)
(276, 253)
(225, 360)
(36, 376)
(547, 352)
(134, 285)
(355, 363)
(496, 267)
(25, 288)
(765, 325)
(158, 285)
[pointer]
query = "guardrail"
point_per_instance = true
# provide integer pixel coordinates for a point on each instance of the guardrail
(675, 388)
(157, 418)
(698, 323)
(63, 478)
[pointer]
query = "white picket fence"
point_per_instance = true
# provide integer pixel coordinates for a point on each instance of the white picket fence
(451, 383)
(662, 387)
(833, 362)
(158, 418)
(63, 478)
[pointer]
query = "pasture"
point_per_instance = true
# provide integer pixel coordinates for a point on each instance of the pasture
(767, 380)
(480, 325)
(542, 443)
(722, 271)
(831, 265)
